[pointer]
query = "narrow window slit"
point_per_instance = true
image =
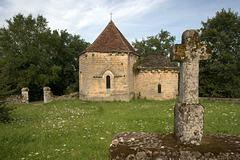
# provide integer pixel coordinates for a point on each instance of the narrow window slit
(159, 88)
(108, 85)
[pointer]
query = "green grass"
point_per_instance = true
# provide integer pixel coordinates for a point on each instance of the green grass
(83, 129)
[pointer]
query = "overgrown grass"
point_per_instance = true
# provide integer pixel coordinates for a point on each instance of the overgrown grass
(83, 129)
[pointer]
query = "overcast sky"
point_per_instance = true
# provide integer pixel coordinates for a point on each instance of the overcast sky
(136, 19)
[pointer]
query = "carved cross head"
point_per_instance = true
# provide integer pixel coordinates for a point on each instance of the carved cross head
(191, 48)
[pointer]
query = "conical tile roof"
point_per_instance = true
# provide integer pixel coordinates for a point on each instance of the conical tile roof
(111, 40)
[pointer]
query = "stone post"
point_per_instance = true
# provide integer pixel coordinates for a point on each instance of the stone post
(47, 95)
(188, 113)
(25, 98)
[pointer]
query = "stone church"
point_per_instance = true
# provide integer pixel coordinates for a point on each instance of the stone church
(107, 71)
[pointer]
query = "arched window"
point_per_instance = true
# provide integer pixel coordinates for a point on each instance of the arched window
(108, 85)
(159, 88)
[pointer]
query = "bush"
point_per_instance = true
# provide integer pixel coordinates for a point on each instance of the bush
(5, 113)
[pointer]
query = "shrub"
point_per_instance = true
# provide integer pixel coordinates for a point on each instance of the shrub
(5, 113)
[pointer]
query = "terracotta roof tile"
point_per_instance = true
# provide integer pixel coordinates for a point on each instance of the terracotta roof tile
(111, 40)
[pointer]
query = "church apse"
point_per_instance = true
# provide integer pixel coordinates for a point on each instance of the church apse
(106, 71)
(105, 77)
(105, 67)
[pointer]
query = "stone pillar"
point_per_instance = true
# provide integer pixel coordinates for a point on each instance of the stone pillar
(25, 98)
(188, 113)
(47, 95)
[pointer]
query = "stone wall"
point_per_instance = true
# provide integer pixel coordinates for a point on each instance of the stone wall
(94, 67)
(233, 100)
(18, 99)
(49, 97)
(14, 99)
(147, 81)
(133, 59)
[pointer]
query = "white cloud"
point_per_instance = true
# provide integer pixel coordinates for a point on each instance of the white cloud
(134, 18)
(77, 15)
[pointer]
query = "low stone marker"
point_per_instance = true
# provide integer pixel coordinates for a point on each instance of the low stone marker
(187, 142)
(47, 95)
(24, 97)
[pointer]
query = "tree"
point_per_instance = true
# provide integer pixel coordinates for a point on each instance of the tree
(220, 76)
(33, 56)
(159, 43)
(66, 55)
(24, 53)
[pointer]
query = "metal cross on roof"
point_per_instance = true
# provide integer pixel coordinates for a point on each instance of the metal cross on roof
(111, 15)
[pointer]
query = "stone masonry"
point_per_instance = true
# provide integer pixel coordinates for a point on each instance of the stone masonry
(157, 146)
(111, 60)
(47, 95)
(167, 78)
(18, 99)
(156, 78)
(95, 67)
(189, 114)
(110, 57)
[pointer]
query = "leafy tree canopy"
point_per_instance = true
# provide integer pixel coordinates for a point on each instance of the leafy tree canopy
(220, 76)
(159, 43)
(31, 55)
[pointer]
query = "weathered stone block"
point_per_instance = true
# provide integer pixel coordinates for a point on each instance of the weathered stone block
(24, 97)
(157, 146)
(47, 95)
(188, 123)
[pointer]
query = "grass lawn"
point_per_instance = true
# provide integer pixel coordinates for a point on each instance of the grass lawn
(84, 129)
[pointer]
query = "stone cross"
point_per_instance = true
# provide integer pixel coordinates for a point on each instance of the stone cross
(189, 53)
(188, 119)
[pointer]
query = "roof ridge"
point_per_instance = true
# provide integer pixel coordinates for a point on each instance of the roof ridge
(120, 36)
(98, 36)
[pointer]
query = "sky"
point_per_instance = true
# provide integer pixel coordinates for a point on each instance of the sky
(136, 19)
